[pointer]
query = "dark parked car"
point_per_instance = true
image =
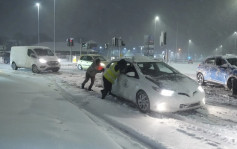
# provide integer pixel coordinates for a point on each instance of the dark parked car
(6, 58)
(218, 69)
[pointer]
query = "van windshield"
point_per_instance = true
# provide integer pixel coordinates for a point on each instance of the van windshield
(43, 52)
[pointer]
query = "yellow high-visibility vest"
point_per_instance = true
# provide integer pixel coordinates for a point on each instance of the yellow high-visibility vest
(110, 73)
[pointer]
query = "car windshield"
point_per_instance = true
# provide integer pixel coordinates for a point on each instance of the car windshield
(232, 61)
(43, 52)
(100, 57)
(156, 69)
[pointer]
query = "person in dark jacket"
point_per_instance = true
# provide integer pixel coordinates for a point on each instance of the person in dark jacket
(111, 75)
(91, 72)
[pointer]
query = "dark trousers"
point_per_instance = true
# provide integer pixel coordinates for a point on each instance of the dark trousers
(87, 79)
(107, 87)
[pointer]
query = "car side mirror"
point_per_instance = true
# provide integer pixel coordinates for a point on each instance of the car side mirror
(225, 65)
(131, 74)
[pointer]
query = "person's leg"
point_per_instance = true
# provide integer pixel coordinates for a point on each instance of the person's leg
(85, 81)
(92, 83)
(107, 87)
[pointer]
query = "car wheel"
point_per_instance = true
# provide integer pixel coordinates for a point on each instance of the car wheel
(79, 67)
(35, 69)
(229, 83)
(200, 78)
(55, 69)
(14, 67)
(143, 102)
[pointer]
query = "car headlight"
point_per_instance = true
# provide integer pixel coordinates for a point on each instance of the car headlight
(204, 101)
(59, 60)
(200, 89)
(165, 92)
(42, 60)
(102, 64)
(161, 107)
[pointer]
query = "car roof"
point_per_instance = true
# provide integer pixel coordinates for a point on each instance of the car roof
(91, 55)
(138, 59)
(223, 56)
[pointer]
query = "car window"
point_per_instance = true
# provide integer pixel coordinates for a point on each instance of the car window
(210, 61)
(89, 58)
(29, 52)
(83, 58)
(43, 52)
(155, 68)
(232, 61)
(100, 57)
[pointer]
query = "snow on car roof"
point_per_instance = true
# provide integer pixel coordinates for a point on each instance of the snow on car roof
(224, 56)
(138, 59)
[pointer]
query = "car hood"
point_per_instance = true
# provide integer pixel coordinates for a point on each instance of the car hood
(49, 58)
(175, 82)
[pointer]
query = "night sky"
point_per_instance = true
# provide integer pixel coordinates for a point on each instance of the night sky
(208, 23)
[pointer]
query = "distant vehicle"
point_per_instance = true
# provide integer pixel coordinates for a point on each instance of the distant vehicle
(218, 69)
(156, 86)
(6, 57)
(38, 58)
(86, 60)
(190, 61)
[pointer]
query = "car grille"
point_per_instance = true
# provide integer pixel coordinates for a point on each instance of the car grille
(52, 63)
(182, 106)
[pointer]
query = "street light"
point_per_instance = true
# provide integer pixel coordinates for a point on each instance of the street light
(189, 42)
(38, 5)
(54, 26)
(235, 33)
(156, 19)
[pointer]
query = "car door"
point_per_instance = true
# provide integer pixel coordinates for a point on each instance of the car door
(82, 61)
(208, 69)
(222, 70)
(88, 61)
(29, 58)
(129, 84)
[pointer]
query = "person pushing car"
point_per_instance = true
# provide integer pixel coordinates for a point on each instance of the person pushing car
(111, 75)
(91, 72)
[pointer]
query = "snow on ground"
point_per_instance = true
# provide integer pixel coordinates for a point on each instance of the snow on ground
(212, 127)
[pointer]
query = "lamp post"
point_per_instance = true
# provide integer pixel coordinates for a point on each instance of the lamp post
(54, 27)
(156, 19)
(235, 33)
(189, 42)
(38, 5)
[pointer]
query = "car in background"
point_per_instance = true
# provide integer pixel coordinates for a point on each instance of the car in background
(156, 86)
(37, 58)
(6, 57)
(218, 69)
(85, 61)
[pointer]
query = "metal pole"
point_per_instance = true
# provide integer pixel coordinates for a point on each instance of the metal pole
(80, 46)
(155, 37)
(54, 28)
(38, 25)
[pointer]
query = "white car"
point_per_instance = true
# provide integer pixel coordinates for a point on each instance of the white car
(156, 86)
(86, 60)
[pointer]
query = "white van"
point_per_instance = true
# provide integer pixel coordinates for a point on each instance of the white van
(38, 58)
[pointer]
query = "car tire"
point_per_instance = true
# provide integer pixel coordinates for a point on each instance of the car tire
(143, 102)
(200, 79)
(55, 69)
(79, 67)
(14, 66)
(229, 83)
(35, 69)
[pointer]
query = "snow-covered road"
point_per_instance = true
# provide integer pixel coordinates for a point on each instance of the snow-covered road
(212, 127)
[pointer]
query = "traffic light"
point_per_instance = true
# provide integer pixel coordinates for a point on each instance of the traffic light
(115, 42)
(83, 44)
(106, 46)
(165, 34)
(71, 42)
